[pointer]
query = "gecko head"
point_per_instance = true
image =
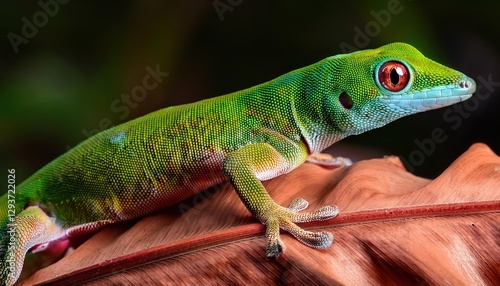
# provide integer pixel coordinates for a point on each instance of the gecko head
(393, 81)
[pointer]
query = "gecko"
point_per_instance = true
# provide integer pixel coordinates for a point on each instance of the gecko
(243, 138)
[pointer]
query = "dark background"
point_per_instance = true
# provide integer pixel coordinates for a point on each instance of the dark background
(65, 78)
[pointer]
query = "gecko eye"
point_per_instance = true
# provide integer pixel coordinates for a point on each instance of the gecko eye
(393, 76)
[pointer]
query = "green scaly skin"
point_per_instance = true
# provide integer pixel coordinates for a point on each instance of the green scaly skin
(244, 137)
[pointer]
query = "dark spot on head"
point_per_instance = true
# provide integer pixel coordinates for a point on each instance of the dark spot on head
(345, 100)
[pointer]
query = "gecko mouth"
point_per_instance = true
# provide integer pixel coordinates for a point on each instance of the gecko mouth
(432, 98)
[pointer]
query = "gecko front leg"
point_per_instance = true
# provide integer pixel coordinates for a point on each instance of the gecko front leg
(244, 168)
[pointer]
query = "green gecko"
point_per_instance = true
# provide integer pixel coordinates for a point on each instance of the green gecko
(244, 137)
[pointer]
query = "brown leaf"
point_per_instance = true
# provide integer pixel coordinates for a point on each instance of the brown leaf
(394, 229)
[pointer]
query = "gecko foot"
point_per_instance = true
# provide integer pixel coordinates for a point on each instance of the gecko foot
(285, 218)
(328, 161)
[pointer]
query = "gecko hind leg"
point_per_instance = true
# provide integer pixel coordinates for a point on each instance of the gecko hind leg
(33, 229)
(328, 161)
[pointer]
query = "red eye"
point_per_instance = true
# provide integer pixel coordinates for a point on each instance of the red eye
(393, 76)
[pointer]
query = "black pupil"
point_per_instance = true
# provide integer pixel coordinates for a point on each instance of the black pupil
(394, 76)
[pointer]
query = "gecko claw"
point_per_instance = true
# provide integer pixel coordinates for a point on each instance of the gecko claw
(275, 246)
(275, 249)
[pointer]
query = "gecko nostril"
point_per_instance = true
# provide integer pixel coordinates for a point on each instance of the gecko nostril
(466, 83)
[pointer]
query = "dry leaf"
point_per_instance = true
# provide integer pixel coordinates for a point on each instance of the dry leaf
(394, 229)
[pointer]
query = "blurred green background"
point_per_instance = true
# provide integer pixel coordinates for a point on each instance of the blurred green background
(77, 63)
